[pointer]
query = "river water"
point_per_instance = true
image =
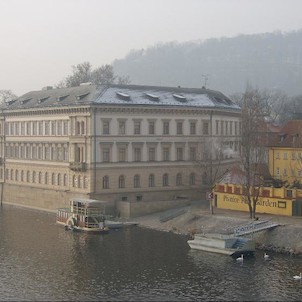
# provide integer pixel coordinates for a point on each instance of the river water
(39, 261)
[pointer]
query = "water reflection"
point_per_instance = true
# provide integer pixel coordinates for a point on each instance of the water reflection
(41, 261)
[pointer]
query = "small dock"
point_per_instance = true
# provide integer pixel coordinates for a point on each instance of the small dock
(254, 227)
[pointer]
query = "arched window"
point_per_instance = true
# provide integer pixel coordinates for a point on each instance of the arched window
(179, 179)
(85, 182)
(34, 177)
(22, 175)
(121, 182)
(65, 180)
(40, 178)
(151, 180)
(16, 175)
(165, 180)
(46, 178)
(74, 181)
(106, 182)
(28, 176)
(11, 174)
(136, 181)
(59, 179)
(80, 182)
(53, 178)
(192, 179)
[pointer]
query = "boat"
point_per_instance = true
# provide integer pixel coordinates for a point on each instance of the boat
(83, 215)
(223, 244)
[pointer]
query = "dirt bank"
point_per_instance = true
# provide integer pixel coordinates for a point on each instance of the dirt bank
(286, 238)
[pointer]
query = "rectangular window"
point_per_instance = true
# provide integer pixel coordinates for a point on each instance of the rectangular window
(231, 128)
(35, 128)
(166, 154)
(236, 128)
(137, 127)
(122, 127)
(53, 128)
(122, 154)
(205, 128)
(106, 129)
(65, 128)
(285, 155)
(221, 127)
(59, 128)
(217, 127)
(40, 128)
(28, 124)
(277, 155)
(179, 128)
(166, 129)
(179, 153)
(193, 153)
(47, 128)
(137, 154)
(151, 154)
(192, 128)
(106, 155)
(152, 128)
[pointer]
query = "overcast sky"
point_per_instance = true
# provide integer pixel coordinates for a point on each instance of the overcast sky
(42, 39)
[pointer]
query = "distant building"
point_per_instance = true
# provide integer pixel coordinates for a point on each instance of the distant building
(135, 146)
(285, 155)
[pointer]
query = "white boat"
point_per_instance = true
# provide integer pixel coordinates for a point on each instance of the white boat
(83, 215)
(223, 244)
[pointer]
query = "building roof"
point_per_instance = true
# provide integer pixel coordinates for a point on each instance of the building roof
(122, 95)
(290, 135)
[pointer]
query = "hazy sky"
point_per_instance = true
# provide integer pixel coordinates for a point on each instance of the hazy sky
(42, 39)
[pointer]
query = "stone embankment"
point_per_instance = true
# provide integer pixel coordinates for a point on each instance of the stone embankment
(286, 238)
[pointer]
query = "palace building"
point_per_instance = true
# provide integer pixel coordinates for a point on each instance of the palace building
(136, 147)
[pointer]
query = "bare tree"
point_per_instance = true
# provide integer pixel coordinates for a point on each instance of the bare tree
(83, 73)
(6, 95)
(212, 161)
(252, 151)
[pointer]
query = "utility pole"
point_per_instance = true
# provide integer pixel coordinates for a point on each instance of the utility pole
(206, 77)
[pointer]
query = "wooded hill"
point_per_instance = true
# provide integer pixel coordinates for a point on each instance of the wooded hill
(265, 61)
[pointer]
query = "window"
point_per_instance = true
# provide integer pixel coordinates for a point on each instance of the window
(217, 127)
(137, 154)
(151, 127)
(152, 154)
(166, 154)
(122, 127)
(122, 154)
(231, 128)
(66, 180)
(192, 179)
(47, 128)
(151, 180)
(192, 128)
(192, 153)
(179, 153)
(136, 181)
(179, 128)
(106, 129)
(106, 182)
(65, 128)
(278, 155)
(53, 128)
(106, 155)
(285, 155)
(166, 128)
(165, 180)
(137, 127)
(121, 182)
(205, 128)
(179, 179)
(278, 172)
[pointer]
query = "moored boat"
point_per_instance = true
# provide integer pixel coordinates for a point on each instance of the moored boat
(85, 215)
(223, 244)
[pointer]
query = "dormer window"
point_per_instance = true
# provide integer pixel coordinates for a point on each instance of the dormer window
(61, 98)
(123, 96)
(41, 100)
(152, 97)
(81, 96)
(25, 101)
(180, 97)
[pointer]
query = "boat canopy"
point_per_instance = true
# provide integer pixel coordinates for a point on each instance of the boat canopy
(88, 202)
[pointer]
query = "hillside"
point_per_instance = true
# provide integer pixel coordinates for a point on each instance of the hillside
(266, 61)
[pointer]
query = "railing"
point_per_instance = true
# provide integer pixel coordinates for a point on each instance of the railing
(254, 227)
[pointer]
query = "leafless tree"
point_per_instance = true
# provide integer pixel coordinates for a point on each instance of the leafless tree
(6, 95)
(83, 73)
(252, 151)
